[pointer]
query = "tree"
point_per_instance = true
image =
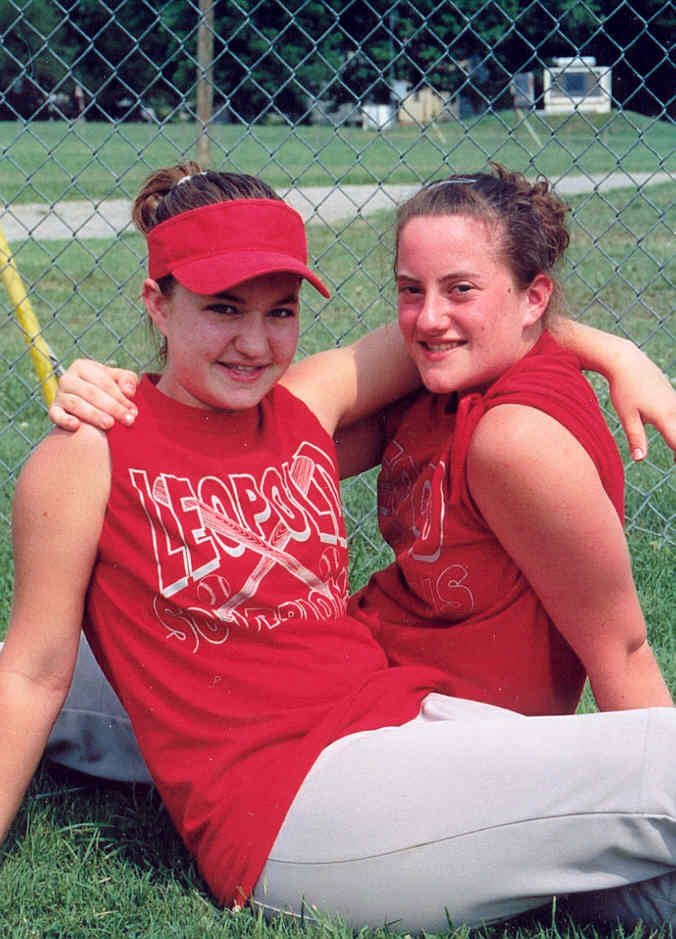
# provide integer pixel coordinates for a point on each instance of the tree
(124, 52)
(274, 58)
(635, 41)
(30, 68)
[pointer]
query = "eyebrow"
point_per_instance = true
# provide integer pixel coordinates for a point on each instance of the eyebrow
(224, 295)
(454, 275)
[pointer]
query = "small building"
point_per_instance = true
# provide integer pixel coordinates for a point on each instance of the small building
(424, 105)
(577, 84)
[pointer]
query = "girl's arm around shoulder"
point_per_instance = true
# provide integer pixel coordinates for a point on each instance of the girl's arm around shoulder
(640, 392)
(538, 490)
(341, 386)
(58, 512)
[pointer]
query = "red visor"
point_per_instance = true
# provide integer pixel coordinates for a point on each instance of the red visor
(214, 247)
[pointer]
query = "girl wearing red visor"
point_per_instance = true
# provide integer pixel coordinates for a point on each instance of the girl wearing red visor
(205, 551)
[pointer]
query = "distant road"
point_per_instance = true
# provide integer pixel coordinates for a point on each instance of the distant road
(317, 204)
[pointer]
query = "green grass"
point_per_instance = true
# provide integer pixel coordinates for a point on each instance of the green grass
(85, 860)
(49, 161)
(89, 859)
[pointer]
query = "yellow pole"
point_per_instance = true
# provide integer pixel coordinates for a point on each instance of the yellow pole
(44, 360)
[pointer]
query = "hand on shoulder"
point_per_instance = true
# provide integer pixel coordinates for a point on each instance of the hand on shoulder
(92, 393)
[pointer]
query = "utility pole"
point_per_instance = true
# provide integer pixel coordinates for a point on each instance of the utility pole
(205, 86)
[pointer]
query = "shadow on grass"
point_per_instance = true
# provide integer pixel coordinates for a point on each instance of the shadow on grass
(127, 823)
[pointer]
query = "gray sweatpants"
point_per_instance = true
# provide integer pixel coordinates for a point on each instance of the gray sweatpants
(468, 813)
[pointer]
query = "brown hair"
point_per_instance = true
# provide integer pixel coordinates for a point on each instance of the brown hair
(528, 218)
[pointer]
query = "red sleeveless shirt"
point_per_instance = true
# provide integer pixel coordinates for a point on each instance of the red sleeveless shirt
(454, 598)
(217, 609)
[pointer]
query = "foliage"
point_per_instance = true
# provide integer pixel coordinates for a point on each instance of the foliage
(27, 64)
(273, 59)
(635, 40)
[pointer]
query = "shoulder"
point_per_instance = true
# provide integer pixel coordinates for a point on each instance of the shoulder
(510, 432)
(545, 397)
(293, 408)
(520, 449)
(546, 369)
(72, 451)
(66, 473)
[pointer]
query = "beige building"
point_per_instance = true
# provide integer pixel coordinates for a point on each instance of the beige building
(423, 106)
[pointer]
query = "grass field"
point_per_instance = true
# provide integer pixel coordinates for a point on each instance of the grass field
(85, 860)
(49, 161)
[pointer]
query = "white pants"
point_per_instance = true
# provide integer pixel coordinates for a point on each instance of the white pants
(476, 814)
(468, 813)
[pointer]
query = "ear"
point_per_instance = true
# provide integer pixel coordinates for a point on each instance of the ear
(156, 304)
(537, 296)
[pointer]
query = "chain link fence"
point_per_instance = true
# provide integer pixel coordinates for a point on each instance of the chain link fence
(345, 107)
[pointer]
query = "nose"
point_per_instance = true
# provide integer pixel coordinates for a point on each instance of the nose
(432, 315)
(252, 339)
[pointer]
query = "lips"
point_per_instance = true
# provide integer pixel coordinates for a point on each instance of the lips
(443, 346)
(241, 372)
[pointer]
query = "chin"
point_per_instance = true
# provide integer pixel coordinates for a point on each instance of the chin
(438, 384)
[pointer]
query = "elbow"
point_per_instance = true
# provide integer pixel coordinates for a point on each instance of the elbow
(636, 643)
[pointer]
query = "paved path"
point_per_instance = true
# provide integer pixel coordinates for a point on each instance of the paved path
(325, 204)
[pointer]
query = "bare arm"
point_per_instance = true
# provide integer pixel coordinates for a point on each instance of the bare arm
(58, 512)
(547, 506)
(640, 392)
(359, 446)
(342, 386)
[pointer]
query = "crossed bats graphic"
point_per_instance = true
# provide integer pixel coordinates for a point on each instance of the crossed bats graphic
(271, 552)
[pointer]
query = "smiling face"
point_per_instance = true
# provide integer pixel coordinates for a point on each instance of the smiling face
(227, 350)
(461, 313)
